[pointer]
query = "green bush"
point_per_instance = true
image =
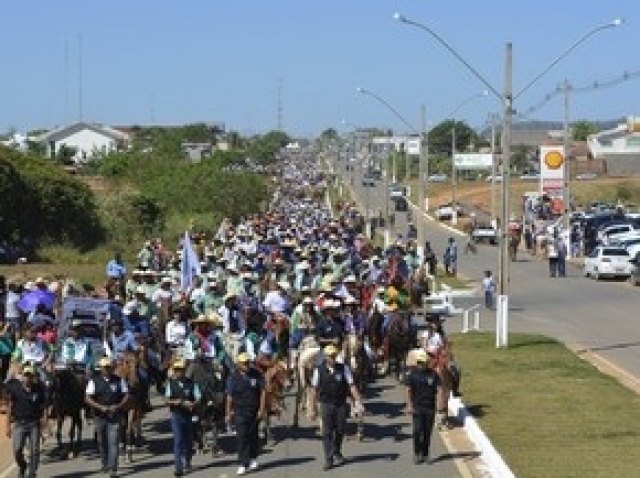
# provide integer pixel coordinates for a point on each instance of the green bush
(46, 205)
(130, 218)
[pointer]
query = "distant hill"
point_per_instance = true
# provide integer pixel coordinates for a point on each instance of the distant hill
(539, 125)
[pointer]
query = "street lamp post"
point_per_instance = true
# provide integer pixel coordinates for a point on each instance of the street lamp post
(507, 98)
(566, 170)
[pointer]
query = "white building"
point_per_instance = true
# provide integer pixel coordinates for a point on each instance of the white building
(86, 140)
(386, 144)
(622, 140)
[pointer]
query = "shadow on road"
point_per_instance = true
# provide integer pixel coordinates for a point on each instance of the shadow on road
(610, 347)
(478, 410)
(386, 409)
(283, 462)
(371, 457)
(459, 454)
(375, 432)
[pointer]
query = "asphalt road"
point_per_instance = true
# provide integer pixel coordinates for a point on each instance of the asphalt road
(385, 451)
(601, 316)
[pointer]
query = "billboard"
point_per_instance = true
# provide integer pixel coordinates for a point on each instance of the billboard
(413, 146)
(552, 171)
(473, 161)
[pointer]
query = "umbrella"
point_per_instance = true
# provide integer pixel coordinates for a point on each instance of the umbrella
(32, 299)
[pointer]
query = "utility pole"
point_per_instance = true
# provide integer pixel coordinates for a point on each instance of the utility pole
(454, 211)
(502, 313)
(494, 200)
(566, 169)
(421, 181)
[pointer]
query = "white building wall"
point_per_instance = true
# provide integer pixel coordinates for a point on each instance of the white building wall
(86, 142)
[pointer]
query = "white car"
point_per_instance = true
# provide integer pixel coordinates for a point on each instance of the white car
(609, 262)
(445, 212)
(438, 178)
(617, 232)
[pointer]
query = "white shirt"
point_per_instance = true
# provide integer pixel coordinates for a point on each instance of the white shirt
(91, 387)
(11, 305)
(274, 302)
(196, 294)
(348, 376)
(161, 294)
(32, 351)
(176, 332)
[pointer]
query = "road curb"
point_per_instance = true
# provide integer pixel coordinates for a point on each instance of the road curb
(496, 466)
(441, 224)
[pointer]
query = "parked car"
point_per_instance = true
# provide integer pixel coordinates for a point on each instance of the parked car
(485, 233)
(617, 232)
(438, 178)
(530, 177)
(498, 178)
(445, 211)
(586, 176)
(608, 261)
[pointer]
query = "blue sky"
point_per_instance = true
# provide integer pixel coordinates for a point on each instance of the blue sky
(212, 60)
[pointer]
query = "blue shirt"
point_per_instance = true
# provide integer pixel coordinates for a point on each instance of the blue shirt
(115, 270)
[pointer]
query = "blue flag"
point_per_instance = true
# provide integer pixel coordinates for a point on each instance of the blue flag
(190, 266)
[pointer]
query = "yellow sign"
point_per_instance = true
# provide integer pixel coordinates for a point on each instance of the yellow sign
(553, 159)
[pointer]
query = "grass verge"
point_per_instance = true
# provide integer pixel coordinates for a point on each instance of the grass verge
(547, 412)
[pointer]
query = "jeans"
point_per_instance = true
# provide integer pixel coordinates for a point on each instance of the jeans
(108, 432)
(334, 419)
(22, 430)
(488, 299)
(182, 430)
(422, 428)
(247, 437)
(562, 269)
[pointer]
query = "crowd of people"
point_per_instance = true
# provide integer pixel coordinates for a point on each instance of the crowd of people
(246, 301)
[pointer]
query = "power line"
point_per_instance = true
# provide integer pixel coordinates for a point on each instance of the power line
(592, 86)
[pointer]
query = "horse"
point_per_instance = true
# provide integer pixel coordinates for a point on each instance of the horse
(307, 356)
(276, 377)
(67, 397)
(375, 337)
(210, 410)
(399, 341)
(445, 367)
(355, 356)
(132, 367)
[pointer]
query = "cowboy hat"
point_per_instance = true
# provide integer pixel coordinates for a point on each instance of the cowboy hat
(331, 350)
(179, 364)
(105, 362)
(243, 358)
(421, 356)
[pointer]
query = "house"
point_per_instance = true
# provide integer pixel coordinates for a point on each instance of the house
(83, 141)
(619, 147)
(17, 141)
(195, 152)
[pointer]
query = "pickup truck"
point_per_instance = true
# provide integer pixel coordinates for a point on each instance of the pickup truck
(485, 234)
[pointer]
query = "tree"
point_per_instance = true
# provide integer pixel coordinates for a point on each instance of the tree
(329, 134)
(582, 129)
(263, 149)
(440, 137)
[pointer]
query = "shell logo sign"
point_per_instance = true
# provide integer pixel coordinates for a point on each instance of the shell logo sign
(553, 159)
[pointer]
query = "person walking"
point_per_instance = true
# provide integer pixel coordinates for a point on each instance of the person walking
(245, 406)
(24, 419)
(561, 248)
(332, 383)
(451, 257)
(552, 256)
(489, 289)
(421, 387)
(182, 396)
(107, 394)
